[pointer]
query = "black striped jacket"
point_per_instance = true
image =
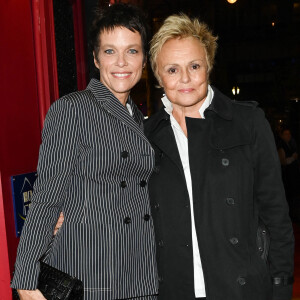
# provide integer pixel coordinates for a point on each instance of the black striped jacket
(94, 165)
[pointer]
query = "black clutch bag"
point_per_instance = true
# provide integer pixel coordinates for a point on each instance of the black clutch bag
(57, 285)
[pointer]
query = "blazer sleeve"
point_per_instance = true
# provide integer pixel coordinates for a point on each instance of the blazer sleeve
(57, 159)
(272, 207)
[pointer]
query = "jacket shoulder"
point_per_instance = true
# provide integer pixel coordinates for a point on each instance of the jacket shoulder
(249, 104)
(75, 100)
(246, 110)
(77, 97)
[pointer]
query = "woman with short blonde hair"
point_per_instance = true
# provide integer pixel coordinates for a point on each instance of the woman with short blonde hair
(181, 26)
(216, 183)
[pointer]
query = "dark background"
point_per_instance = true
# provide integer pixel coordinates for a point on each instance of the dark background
(258, 51)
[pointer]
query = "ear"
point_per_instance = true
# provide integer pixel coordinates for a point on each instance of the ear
(96, 62)
(158, 80)
(145, 62)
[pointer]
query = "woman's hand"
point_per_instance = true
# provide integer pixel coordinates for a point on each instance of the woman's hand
(59, 223)
(31, 295)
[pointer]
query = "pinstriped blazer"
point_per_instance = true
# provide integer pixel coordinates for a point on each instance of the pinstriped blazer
(94, 165)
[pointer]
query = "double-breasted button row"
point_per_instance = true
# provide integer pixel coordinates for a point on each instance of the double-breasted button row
(123, 184)
(241, 281)
(128, 220)
(143, 183)
(230, 201)
(124, 154)
(225, 162)
(234, 240)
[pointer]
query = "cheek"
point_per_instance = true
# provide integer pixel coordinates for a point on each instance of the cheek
(203, 77)
(136, 63)
(169, 83)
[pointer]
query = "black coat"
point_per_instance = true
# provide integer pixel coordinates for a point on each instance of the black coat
(236, 181)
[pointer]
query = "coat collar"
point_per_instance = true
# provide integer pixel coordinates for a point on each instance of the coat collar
(158, 127)
(115, 108)
(221, 105)
(165, 140)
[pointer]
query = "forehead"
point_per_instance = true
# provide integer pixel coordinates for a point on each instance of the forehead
(120, 36)
(179, 48)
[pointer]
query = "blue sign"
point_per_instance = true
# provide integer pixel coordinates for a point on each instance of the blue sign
(22, 188)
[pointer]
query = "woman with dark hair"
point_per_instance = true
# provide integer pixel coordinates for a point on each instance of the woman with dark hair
(94, 166)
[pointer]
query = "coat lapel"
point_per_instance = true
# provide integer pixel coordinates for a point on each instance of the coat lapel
(164, 139)
(114, 107)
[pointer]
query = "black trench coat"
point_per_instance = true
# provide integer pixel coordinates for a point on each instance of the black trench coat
(236, 181)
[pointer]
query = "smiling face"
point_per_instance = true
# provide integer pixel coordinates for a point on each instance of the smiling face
(183, 72)
(120, 61)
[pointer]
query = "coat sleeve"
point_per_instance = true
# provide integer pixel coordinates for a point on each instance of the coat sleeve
(57, 160)
(272, 207)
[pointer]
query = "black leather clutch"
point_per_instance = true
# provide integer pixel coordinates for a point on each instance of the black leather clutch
(57, 285)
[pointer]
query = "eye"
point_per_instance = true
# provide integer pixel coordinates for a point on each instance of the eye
(109, 51)
(195, 66)
(132, 51)
(172, 70)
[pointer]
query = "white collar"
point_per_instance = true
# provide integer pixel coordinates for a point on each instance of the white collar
(169, 106)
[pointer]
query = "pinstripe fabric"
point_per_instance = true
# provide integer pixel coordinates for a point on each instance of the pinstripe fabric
(153, 297)
(80, 172)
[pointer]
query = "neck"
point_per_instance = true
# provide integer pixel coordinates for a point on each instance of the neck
(181, 112)
(123, 98)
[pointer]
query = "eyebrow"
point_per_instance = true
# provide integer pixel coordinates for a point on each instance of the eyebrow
(190, 62)
(114, 46)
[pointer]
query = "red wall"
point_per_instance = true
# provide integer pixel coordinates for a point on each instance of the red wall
(19, 118)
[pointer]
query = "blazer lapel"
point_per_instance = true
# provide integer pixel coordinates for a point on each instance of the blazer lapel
(114, 107)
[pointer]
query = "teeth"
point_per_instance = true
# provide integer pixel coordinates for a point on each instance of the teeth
(121, 75)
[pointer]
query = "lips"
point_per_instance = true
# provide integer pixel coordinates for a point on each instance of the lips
(121, 75)
(186, 91)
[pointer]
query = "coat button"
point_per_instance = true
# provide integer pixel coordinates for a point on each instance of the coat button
(146, 217)
(143, 183)
(124, 154)
(234, 241)
(225, 162)
(230, 201)
(127, 220)
(160, 279)
(156, 206)
(160, 243)
(241, 281)
(123, 184)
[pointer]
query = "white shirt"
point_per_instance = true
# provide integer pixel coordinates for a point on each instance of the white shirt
(128, 106)
(182, 144)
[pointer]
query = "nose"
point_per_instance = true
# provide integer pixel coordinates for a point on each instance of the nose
(121, 60)
(185, 76)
